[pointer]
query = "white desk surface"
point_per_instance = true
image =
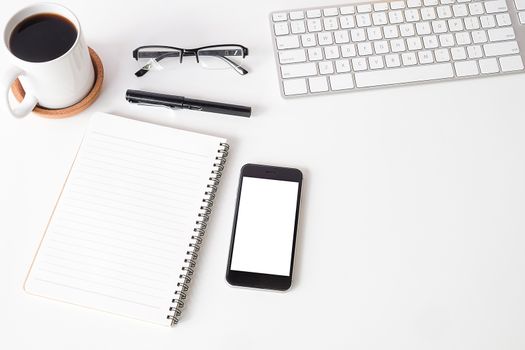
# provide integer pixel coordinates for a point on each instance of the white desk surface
(412, 227)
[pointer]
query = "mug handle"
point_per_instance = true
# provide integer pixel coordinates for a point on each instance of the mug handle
(28, 103)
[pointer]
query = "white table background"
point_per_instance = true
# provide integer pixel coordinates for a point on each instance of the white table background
(412, 229)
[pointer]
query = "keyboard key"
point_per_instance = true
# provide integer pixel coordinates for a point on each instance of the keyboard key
(425, 57)
(315, 54)
(314, 25)
(379, 18)
(404, 75)
(463, 38)
(392, 60)
(380, 6)
(341, 82)
(374, 33)
(326, 67)
(511, 63)
(342, 66)
(390, 32)
(347, 22)
(439, 27)
(414, 43)
(458, 53)
(296, 15)
(359, 64)
(281, 28)
(396, 5)
(292, 56)
(407, 29)
(330, 12)
(294, 87)
(460, 10)
(298, 70)
(363, 20)
(522, 17)
(395, 17)
(325, 38)
(502, 48)
(479, 36)
(348, 50)
(358, 35)
(501, 34)
(318, 84)
(376, 62)
(474, 51)
(381, 47)
(423, 28)
(446, 40)
(442, 55)
(398, 45)
(330, 23)
(313, 13)
(287, 42)
(364, 8)
(487, 21)
(471, 23)
(278, 17)
(495, 6)
(430, 2)
(409, 58)
(341, 37)
(466, 68)
(347, 10)
(455, 24)
(308, 40)
(428, 13)
(489, 66)
(411, 15)
(476, 8)
(520, 4)
(364, 48)
(503, 19)
(331, 52)
(430, 42)
(297, 27)
(413, 3)
(444, 12)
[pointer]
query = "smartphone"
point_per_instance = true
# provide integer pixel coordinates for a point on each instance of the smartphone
(265, 227)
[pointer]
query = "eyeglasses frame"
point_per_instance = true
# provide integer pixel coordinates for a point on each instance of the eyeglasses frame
(192, 52)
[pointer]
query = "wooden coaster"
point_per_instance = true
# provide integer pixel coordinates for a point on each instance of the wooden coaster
(19, 93)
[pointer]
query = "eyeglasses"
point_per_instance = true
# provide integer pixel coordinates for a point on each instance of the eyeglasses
(158, 57)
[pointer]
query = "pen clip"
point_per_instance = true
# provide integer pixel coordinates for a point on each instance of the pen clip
(155, 105)
(195, 108)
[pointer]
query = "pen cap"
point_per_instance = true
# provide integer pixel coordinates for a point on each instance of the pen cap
(218, 107)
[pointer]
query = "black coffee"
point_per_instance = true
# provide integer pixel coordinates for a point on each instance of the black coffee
(42, 37)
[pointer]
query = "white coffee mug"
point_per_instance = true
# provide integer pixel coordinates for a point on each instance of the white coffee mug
(54, 84)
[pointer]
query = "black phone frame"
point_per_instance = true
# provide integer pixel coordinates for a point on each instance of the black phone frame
(262, 280)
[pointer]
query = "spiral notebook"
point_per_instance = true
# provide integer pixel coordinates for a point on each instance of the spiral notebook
(125, 232)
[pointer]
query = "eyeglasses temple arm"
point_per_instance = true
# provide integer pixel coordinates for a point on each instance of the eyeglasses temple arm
(142, 71)
(237, 67)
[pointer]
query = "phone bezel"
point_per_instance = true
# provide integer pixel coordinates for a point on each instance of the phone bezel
(262, 280)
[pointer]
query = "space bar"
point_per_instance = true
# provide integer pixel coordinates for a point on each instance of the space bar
(404, 75)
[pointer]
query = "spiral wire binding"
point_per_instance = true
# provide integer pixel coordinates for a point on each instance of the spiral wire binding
(197, 238)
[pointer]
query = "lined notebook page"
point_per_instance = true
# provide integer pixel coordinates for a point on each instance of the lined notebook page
(119, 234)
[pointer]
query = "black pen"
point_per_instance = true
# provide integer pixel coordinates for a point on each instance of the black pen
(180, 102)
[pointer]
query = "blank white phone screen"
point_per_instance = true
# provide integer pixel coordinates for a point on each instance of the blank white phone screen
(265, 226)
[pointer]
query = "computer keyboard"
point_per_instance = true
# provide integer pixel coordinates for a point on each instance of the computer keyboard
(376, 44)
